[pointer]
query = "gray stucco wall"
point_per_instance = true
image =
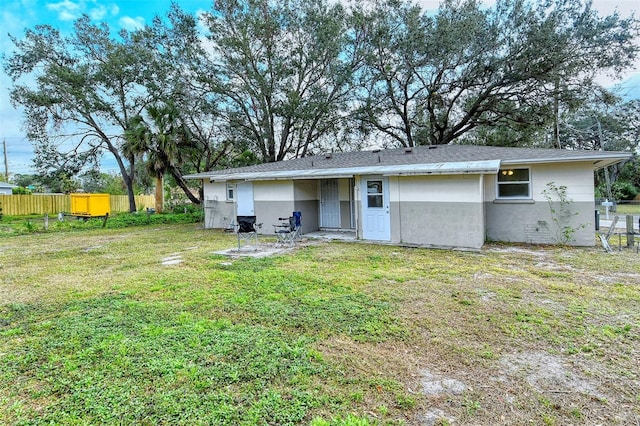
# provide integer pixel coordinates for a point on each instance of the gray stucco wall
(305, 194)
(532, 222)
(440, 224)
(309, 210)
(268, 212)
(345, 215)
(218, 214)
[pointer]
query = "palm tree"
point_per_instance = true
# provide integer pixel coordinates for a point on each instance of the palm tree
(165, 143)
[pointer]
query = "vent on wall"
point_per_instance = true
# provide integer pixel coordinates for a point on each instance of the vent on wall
(328, 155)
(408, 150)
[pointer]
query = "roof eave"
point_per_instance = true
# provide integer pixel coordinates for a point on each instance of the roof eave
(469, 167)
(600, 160)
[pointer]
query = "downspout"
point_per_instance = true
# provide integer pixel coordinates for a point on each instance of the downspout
(399, 208)
(484, 208)
(358, 201)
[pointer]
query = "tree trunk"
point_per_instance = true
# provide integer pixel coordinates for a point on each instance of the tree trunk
(126, 176)
(183, 185)
(159, 194)
(130, 194)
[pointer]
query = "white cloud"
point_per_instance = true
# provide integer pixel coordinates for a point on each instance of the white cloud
(130, 23)
(66, 9)
(98, 13)
(102, 11)
(67, 16)
(69, 10)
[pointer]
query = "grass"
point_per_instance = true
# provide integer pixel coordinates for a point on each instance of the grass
(622, 208)
(21, 225)
(95, 330)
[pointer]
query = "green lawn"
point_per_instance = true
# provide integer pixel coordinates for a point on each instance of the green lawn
(94, 329)
(628, 209)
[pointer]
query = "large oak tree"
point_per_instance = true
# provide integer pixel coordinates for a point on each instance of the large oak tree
(79, 92)
(282, 70)
(431, 79)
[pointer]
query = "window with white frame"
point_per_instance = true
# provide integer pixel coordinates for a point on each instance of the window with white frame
(230, 192)
(514, 183)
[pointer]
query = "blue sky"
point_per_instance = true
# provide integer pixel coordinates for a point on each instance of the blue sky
(18, 15)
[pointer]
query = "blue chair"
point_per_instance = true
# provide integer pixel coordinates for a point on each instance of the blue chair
(298, 225)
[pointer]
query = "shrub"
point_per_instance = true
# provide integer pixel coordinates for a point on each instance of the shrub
(623, 190)
(124, 220)
(184, 208)
(21, 190)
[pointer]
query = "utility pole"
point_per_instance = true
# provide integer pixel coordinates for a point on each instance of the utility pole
(607, 178)
(6, 160)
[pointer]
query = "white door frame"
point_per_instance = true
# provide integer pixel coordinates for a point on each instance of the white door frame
(376, 217)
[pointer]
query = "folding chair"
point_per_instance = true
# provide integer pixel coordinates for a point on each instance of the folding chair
(289, 229)
(246, 232)
(286, 231)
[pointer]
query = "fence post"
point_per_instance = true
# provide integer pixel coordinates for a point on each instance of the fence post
(630, 232)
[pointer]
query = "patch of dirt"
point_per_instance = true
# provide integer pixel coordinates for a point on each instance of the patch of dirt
(616, 277)
(550, 266)
(547, 373)
(438, 385)
(433, 384)
(521, 250)
(483, 276)
(486, 296)
(263, 250)
(434, 417)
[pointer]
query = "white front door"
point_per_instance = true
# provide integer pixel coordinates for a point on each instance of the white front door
(244, 194)
(329, 204)
(376, 220)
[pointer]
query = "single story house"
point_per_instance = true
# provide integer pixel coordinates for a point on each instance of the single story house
(440, 195)
(6, 188)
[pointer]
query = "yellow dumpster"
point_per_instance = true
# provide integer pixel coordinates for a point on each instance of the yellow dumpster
(90, 205)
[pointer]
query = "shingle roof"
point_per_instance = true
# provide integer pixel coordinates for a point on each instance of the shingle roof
(465, 157)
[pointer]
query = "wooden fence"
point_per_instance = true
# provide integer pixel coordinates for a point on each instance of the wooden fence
(18, 205)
